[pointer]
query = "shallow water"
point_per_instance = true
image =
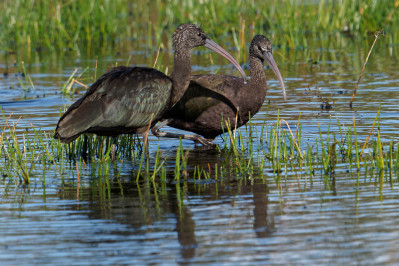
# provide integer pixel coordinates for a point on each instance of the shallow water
(345, 218)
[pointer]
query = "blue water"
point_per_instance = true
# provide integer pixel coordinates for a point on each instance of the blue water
(346, 218)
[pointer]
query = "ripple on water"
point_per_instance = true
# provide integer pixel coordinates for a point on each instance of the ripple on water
(308, 220)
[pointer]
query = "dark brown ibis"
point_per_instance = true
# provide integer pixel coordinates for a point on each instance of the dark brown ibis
(132, 99)
(211, 101)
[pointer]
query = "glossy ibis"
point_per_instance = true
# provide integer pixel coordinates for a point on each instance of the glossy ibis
(212, 100)
(132, 99)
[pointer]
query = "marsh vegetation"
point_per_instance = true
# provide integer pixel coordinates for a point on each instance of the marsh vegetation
(299, 176)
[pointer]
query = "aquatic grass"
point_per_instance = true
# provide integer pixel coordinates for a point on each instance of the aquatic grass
(158, 165)
(28, 80)
(46, 148)
(376, 35)
(96, 147)
(68, 88)
(372, 128)
(56, 25)
(26, 156)
(379, 154)
(181, 162)
(294, 140)
(30, 26)
(17, 158)
(24, 153)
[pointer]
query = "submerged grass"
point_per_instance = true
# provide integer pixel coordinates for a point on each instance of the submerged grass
(28, 157)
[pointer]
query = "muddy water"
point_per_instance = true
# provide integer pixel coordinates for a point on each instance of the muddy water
(347, 218)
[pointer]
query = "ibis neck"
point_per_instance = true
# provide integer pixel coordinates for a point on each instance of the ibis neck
(256, 89)
(181, 73)
(258, 77)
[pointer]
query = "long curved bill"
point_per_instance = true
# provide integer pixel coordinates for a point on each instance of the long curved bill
(270, 60)
(215, 47)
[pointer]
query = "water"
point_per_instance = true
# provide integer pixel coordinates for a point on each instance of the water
(346, 218)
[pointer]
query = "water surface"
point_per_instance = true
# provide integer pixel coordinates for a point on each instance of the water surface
(348, 217)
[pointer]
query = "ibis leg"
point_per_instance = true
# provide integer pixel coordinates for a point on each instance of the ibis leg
(145, 142)
(114, 148)
(196, 138)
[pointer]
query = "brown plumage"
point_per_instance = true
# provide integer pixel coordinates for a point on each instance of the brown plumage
(133, 99)
(212, 100)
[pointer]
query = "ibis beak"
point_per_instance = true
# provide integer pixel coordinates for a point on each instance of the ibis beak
(215, 47)
(272, 64)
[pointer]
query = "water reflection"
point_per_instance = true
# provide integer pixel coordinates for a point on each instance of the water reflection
(236, 217)
(153, 207)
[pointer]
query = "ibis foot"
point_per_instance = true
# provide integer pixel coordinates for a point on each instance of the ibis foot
(196, 138)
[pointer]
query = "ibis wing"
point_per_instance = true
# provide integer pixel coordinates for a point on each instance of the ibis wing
(123, 97)
(204, 92)
(221, 84)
